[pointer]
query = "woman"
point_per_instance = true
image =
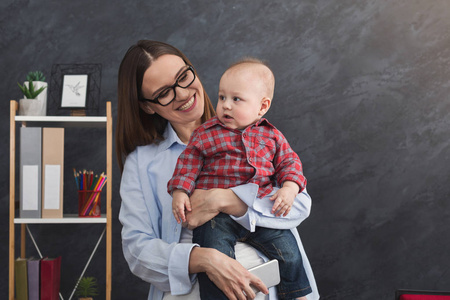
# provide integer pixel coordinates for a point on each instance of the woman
(161, 102)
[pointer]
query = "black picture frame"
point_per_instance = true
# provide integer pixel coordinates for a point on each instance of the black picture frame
(55, 106)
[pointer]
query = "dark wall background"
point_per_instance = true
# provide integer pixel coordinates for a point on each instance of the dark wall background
(362, 94)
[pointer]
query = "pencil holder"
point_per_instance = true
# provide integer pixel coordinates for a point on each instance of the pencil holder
(89, 204)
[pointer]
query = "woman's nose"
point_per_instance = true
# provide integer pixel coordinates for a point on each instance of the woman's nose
(181, 93)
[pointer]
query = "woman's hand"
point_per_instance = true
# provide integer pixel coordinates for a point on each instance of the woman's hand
(206, 204)
(226, 273)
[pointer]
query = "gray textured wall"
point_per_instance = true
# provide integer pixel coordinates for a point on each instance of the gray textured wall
(362, 94)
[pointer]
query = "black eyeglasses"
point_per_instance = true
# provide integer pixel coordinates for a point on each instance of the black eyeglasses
(169, 94)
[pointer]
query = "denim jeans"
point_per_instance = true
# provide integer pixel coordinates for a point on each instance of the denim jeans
(222, 233)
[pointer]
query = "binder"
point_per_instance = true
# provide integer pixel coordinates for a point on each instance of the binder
(33, 268)
(52, 172)
(50, 278)
(20, 276)
(30, 172)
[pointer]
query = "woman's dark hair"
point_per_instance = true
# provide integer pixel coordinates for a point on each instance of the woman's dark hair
(135, 127)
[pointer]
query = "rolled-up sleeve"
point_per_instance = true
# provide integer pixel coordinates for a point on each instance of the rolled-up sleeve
(259, 210)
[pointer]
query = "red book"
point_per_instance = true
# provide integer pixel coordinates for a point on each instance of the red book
(50, 278)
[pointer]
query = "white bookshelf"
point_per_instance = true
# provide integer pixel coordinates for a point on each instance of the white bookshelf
(62, 121)
(66, 219)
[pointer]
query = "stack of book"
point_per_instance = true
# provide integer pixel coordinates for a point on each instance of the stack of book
(37, 278)
(41, 172)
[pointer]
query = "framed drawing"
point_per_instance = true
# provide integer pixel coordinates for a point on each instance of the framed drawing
(74, 90)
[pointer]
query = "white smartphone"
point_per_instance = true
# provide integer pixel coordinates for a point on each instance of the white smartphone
(268, 272)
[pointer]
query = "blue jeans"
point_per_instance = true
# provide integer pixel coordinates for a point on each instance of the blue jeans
(222, 233)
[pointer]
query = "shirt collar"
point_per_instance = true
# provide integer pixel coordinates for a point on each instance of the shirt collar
(215, 121)
(263, 121)
(170, 138)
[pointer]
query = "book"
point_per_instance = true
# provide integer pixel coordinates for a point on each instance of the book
(50, 278)
(52, 172)
(33, 268)
(30, 172)
(20, 276)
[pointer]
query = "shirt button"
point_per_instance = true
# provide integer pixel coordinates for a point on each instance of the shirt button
(250, 159)
(253, 222)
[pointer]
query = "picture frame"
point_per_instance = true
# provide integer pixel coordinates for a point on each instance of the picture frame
(62, 100)
(74, 91)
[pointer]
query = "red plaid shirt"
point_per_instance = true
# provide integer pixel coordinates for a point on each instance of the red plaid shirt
(220, 157)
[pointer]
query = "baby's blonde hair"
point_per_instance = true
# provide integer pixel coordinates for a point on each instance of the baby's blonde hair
(266, 76)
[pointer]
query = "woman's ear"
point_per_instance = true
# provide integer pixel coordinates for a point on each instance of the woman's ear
(145, 106)
(265, 105)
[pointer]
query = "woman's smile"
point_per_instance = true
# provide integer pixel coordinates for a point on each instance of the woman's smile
(188, 105)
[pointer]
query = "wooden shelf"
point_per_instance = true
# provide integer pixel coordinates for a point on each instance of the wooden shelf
(106, 219)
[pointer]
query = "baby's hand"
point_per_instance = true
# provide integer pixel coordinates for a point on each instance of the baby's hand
(284, 198)
(180, 202)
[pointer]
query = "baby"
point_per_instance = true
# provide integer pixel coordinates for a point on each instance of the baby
(236, 147)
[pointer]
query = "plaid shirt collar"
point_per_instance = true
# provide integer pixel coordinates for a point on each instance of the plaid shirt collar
(215, 121)
(171, 137)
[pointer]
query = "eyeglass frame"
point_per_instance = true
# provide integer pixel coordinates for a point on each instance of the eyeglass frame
(173, 86)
